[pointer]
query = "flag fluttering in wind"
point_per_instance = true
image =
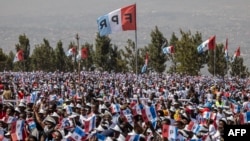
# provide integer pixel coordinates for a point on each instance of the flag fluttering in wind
(71, 51)
(83, 54)
(209, 44)
(122, 19)
(168, 50)
(226, 50)
(236, 54)
(144, 68)
(19, 56)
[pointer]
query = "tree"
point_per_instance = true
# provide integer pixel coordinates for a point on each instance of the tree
(3, 60)
(238, 68)
(188, 61)
(217, 64)
(129, 55)
(10, 65)
(43, 57)
(102, 54)
(61, 61)
(156, 57)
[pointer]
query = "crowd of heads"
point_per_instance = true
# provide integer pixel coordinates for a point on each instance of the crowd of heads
(93, 105)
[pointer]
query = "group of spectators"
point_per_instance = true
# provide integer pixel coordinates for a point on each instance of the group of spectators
(102, 106)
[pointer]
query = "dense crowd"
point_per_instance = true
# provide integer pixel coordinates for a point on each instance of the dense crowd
(102, 106)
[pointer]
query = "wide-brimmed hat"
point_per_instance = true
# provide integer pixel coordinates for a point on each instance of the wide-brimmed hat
(50, 119)
(117, 128)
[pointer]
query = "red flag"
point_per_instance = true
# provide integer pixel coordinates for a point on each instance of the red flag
(237, 52)
(84, 53)
(146, 59)
(226, 46)
(19, 56)
(211, 43)
(128, 22)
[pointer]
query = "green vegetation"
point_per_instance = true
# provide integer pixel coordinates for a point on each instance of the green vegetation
(106, 56)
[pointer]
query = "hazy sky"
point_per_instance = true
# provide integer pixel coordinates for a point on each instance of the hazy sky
(62, 19)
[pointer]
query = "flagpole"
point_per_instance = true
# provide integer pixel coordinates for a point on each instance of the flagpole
(136, 51)
(214, 59)
(227, 69)
(78, 70)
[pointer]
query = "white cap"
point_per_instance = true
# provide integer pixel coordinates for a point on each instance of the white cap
(117, 128)
(21, 104)
(78, 106)
(50, 119)
(121, 138)
(55, 115)
(41, 111)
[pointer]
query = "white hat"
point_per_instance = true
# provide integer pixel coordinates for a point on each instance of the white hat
(41, 111)
(100, 128)
(21, 104)
(107, 113)
(99, 99)
(71, 105)
(50, 119)
(224, 119)
(149, 101)
(103, 106)
(78, 106)
(108, 139)
(230, 118)
(228, 112)
(117, 128)
(17, 110)
(172, 109)
(121, 138)
(55, 115)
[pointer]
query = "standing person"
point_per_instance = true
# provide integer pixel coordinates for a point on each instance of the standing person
(7, 93)
(246, 104)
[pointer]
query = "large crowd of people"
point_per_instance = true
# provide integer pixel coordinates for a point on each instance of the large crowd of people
(102, 106)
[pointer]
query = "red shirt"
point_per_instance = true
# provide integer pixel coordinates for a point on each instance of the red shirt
(2, 114)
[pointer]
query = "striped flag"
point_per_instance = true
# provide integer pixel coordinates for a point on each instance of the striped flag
(90, 124)
(209, 115)
(169, 131)
(115, 108)
(209, 44)
(122, 19)
(31, 123)
(168, 50)
(245, 118)
(9, 119)
(19, 56)
(149, 113)
(132, 137)
(226, 50)
(137, 109)
(17, 130)
(144, 68)
(71, 51)
(78, 134)
(236, 54)
(235, 108)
